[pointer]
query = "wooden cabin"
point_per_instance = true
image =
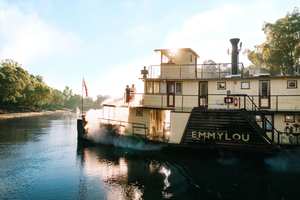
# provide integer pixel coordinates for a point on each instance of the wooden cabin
(179, 84)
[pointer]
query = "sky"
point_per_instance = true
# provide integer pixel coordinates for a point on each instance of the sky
(108, 42)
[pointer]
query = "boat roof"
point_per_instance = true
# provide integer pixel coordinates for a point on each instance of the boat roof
(167, 51)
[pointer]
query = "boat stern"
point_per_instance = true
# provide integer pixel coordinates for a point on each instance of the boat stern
(81, 131)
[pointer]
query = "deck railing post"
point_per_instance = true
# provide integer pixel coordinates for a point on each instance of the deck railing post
(196, 71)
(276, 102)
(181, 102)
(180, 71)
(219, 68)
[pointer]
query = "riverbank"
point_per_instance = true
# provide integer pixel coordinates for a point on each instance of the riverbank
(30, 114)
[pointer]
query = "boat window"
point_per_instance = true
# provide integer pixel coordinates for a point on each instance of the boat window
(156, 87)
(221, 85)
(269, 122)
(264, 88)
(289, 118)
(171, 87)
(163, 87)
(291, 84)
(149, 87)
(139, 112)
(245, 84)
(178, 88)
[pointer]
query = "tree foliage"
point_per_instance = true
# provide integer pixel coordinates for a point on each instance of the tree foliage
(280, 53)
(21, 90)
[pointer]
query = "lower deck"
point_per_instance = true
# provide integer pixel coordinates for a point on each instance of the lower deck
(212, 126)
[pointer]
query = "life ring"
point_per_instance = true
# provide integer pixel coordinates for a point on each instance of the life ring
(235, 101)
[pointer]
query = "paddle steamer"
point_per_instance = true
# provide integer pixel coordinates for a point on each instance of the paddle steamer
(213, 105)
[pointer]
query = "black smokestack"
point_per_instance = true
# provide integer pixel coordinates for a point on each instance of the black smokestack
(234, 55)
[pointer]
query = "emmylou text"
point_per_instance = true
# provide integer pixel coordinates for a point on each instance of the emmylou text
(220, 136)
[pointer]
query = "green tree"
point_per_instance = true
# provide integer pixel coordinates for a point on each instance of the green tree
(68, 93)
(13, 80)
(57, 98)
(73, 102)
(280, 53)
(20, 90)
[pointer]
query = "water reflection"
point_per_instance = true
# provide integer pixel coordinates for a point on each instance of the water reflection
(120, 176)
(113, 173)
(40, 159)
(138, 176)
(21, 130)
(130, 175)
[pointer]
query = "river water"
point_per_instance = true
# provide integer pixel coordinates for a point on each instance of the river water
(40, 159)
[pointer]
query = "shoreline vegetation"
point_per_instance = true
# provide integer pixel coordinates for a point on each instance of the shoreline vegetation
(22, 92)
(4, 116)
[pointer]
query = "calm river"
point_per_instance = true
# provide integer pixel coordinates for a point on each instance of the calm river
(40, 159)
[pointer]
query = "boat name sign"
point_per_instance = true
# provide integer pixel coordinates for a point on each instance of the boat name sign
(220, 136)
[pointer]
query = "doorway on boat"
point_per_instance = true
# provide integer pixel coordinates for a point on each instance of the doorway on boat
(266, 122)
(158, 125)
(264, 94)
(170, 93)
(203, 94)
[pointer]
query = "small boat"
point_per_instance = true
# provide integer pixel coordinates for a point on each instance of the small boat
(210, 106)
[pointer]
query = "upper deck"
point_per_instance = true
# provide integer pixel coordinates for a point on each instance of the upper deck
(180, 83)
(193, 71)
(183, 64)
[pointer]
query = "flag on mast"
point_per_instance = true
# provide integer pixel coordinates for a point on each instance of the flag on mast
(84, 87)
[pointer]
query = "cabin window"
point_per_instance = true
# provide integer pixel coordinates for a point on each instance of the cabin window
(163, 87)
(221, 85)
(269, 123)
(149, 87)
(178, 88)
(245, 84)
(156, 87)
(264, 88)
(191, 58)
(152, 87)
(291, 84)
(139, 112)
(289, 118)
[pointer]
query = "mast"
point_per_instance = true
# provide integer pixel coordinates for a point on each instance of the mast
(81, 104)
(82, 96)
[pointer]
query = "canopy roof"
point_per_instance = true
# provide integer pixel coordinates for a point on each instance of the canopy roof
(168, 52)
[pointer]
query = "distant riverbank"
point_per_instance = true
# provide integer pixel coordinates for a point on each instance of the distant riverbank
(30, 114)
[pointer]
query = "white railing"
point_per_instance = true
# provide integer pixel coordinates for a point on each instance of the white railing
(192, 71)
